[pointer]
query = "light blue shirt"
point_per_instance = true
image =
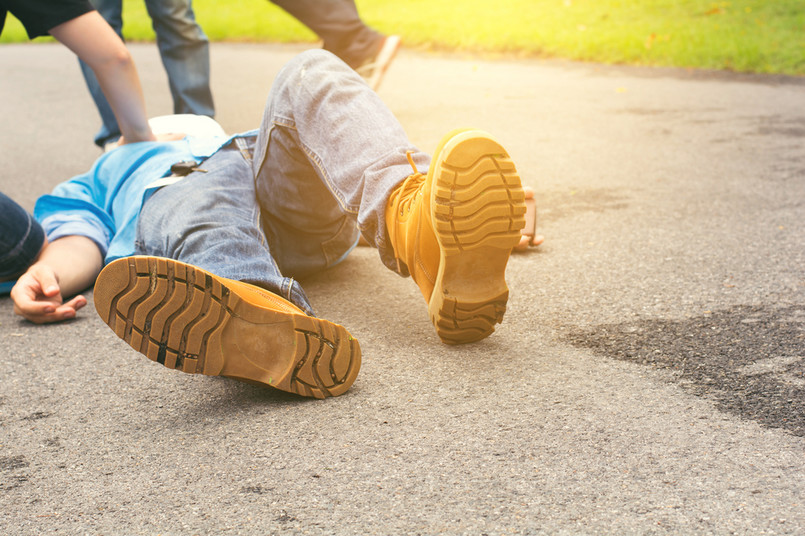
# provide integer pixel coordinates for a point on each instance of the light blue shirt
(104, 204)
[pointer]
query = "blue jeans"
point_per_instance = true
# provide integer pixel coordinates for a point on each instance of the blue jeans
(184, 49)
(284, 204)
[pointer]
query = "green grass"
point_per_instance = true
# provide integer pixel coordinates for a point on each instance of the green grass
(765, 36)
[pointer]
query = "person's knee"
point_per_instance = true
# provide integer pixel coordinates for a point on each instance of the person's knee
(315, 59)
(311, 68)
(315, 56)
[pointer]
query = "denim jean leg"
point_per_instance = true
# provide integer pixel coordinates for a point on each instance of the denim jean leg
(184, 49)
(307, 229)
(211, 220)
(324, 131)
(111, 11)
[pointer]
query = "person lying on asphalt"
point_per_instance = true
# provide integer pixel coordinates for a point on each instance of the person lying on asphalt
(196, 245)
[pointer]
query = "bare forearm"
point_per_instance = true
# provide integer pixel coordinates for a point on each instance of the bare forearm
(75, 260)
(120, 84)
(94, 41)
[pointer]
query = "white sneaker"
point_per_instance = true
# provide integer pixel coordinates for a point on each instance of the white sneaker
(374, 69)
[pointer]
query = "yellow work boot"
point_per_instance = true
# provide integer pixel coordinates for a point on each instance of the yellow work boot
(455, 229)
(191, 320)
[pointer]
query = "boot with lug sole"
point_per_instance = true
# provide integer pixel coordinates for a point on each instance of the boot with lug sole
(191, 320)
(455, 228)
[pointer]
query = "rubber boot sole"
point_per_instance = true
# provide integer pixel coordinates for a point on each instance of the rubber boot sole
(478, 209)
(191, 320)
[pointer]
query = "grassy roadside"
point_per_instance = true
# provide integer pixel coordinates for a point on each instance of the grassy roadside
(764, 36)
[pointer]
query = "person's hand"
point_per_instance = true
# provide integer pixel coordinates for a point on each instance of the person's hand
(37, 297)
(164, 136)
(171, 136)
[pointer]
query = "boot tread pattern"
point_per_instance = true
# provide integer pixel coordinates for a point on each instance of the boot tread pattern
(480, 204)
(462, 322)
(175, 314)
(478, 211)
(326, 362)
(159, 309)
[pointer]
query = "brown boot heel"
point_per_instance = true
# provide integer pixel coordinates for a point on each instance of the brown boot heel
(478, 210)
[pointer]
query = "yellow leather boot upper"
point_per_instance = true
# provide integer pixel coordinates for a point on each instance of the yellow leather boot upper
(262, 297)
(410, 227)
(455, 229)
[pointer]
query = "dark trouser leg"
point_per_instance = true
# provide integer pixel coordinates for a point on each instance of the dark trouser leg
(338, 24)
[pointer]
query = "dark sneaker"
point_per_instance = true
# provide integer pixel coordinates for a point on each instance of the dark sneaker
(191, 320)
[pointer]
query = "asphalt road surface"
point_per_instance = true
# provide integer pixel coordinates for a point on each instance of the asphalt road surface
(647, 379)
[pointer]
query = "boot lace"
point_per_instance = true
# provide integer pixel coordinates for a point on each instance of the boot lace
(406, 192)
(404, 196)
